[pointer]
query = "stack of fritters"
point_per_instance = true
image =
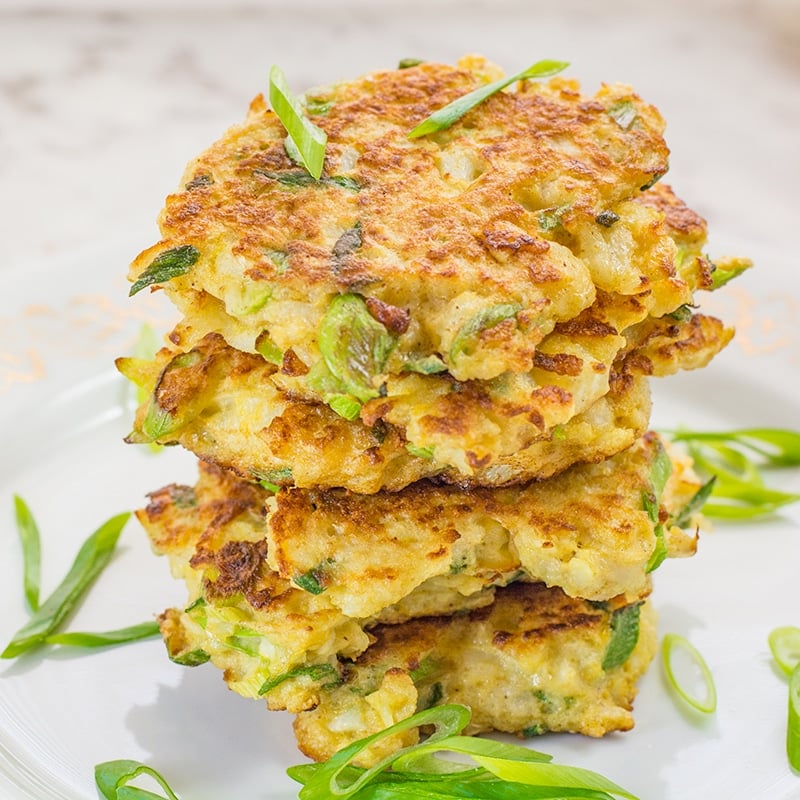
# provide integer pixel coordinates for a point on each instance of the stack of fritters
(418, 389)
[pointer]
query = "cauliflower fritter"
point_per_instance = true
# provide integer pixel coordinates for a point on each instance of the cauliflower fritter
(531, 662)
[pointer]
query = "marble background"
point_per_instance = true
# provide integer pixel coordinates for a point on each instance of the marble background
(101, 104)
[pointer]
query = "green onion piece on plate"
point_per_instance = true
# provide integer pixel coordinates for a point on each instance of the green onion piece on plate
(793, 726)
(113, 779)
(166, 266)
(309, 141)
(93, 556)
(785, 646)
(31, 551)
(133, 633)
(448, 115)
(673, 644)
(498, 771)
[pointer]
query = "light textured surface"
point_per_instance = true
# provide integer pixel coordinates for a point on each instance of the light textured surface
(100, 108)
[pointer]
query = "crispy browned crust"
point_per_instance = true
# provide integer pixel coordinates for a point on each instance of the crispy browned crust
(529, 663)
(585, 530)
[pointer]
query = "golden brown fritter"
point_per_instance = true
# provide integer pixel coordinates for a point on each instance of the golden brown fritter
(531, 662)
(586, 531)
(227, 406)
(352, 563)
(458, 252)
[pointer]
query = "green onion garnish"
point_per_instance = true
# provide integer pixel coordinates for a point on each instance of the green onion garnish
(309, 141)
(166, 266)
(113, 779)
(785, 646)
(624, 636)
(793, 725)
(92, 557)
(498, 770)
(671, 645)
(133, 633)
(31, 551)
(739, 490)
(443, 118)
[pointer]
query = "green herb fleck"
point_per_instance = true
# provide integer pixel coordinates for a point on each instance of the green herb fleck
(133, 633)
(92, 558)
(452, 112)
(420, 452)
(166, 266)
(314, 581)
(623, 113)
(726, 270)
(425, 365)
(317, 106)
(551, 218)
(191, 658)
(354, 347)
(268, 349)
(682, 313)
(315, 672)
(624, 636)
(113, 779)
(407, 63)
(279, 258)
(309, 140)
(468, 335)
(30, 540)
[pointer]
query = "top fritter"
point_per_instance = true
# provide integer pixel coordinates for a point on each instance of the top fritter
(456, 252)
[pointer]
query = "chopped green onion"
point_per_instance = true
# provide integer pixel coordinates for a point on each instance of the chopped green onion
(725, 271)
(793, 724)
(133, 633)
(695, 503)
(500, 771)
(624, 636)
(407, 63)
(425, 365)
(738, 488)
(551, 218)
(166, 266)
(190, 658)
(670, 645)
(623, 113)
(112, 779)
(777, 446)
(309, 140)
(660, 471)
(354, 346)
(452, 112)
(785, 646)
(92, 557)
(31, 551)
(467, 336)
(312, 581)
(313, 671)
(420, 452)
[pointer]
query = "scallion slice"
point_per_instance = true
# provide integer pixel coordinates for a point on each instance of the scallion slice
(445, 117)
(498, 770)
(133, 633)
(309, 140)
(31, 551)
(113, 779)
(90, 561)
(673, 644)
(793, 725)
(785, 646)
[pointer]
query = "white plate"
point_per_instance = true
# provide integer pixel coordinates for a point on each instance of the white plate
(64, 415)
